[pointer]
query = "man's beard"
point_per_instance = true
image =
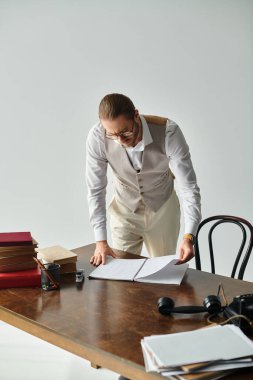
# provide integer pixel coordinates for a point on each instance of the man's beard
(135, 139)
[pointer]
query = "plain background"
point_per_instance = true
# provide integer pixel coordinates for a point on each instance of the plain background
(189, 60)
(32, 358)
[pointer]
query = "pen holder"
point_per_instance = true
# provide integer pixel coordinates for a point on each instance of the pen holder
(50, 276)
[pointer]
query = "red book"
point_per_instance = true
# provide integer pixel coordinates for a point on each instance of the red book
(20, 279)
(15, 238)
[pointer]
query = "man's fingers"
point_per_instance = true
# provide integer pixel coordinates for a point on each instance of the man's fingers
(113, 254)
(95, 260)
(184, 257)
(99, 258)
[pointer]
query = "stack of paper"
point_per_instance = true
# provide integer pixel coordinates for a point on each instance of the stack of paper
(17, 250)
(208, 353)
(59, 255)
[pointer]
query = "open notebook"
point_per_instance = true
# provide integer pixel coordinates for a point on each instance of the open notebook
(157, 270)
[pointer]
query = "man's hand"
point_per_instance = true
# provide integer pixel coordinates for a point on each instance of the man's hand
(102, 250)
(186, 251)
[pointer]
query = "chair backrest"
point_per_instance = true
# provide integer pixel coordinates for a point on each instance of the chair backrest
(243, 253)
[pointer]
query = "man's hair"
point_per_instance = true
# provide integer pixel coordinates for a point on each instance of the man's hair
(114, 105)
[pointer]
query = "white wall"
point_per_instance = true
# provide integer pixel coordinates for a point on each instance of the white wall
(190, 60)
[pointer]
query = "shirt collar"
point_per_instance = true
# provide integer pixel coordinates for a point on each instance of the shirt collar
(146, 138)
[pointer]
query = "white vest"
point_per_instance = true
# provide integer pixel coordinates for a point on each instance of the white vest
(153, 184)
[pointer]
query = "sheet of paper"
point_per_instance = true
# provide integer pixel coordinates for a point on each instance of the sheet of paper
(212, 368)
(201, 376)
(213, 343)
(148, 362)
(164, 271)
(155, 264)
(118, 269)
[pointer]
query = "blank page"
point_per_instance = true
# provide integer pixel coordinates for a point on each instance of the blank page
(118, 269)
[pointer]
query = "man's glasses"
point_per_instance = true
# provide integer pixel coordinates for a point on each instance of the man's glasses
(123, 135)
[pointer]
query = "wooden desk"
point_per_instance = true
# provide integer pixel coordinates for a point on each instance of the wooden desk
(104, 321)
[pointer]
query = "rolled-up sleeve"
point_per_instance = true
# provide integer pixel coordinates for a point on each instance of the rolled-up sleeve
(96, 180)
(179, 156)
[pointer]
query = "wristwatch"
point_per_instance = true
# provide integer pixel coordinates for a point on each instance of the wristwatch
(190, 237)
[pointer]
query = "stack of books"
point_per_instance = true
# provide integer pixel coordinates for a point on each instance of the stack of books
(17, 265)
(208, 353)
(59, 255)
(17, 250)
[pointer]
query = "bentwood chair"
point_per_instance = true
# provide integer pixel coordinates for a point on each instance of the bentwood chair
(245, 248)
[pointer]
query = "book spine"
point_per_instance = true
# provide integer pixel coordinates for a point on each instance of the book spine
(20, 283)
(17, 266)
(10, 260)
(15, 244)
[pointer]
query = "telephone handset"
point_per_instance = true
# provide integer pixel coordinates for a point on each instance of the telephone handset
(239, 311)
(241, 305)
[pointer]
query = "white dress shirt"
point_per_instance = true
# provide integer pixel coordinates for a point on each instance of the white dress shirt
(180, 163)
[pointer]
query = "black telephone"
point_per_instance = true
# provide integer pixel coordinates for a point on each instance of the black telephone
(242, 305)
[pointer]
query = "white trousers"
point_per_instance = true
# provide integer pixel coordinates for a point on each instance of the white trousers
(157, 230)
